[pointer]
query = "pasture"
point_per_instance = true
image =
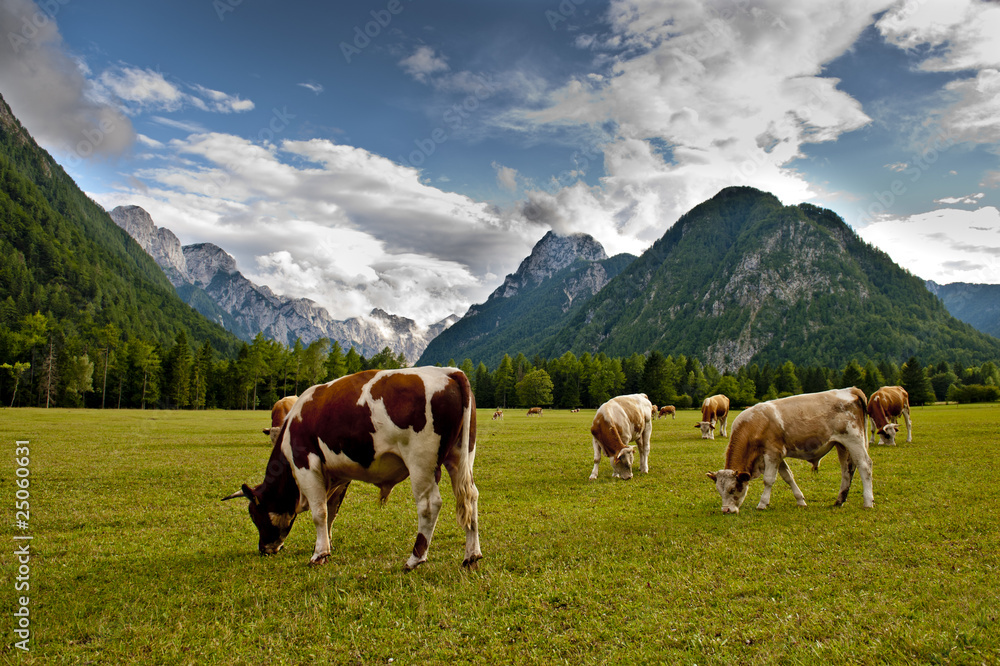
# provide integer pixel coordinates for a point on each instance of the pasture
(135, 560)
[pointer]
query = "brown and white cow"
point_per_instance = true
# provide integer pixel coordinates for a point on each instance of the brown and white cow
(884, 407)
(380, 427)
(534, 410)
(715, 408)
(667, 409)
(278, 413)
(498, 414)
(801, 426)
(619, 421)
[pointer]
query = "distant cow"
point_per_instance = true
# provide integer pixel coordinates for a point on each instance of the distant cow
(885, 406)
(668, 409)
(575, 411)
(377, 426)
(619, 421)
(715, 408)
(534, 410)
(498, 414)
(278, 413)
(801, 426)
(655, 411)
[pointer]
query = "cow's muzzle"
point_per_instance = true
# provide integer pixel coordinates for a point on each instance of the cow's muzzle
(730, 509)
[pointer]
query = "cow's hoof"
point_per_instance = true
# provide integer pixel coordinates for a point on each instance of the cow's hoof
(472, 564)
(315, 561)
(761, 507)
(593, 478)
(410, 566)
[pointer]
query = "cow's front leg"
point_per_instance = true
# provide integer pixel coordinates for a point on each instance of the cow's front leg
(597, 461)
(312, 485)
(722, 426)
(333, 506)
(428, 498)
(644, 448)
(786, 474)
(770, 474)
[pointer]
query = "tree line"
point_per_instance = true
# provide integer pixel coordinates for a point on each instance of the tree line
(46, 364)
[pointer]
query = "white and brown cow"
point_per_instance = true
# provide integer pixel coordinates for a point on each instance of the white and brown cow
(714, 409)
(884, 407)
(536, 411)
(278, 413)
(377, 426)
(800, 426)
(619, 421)
(498, 414)
(667, 409)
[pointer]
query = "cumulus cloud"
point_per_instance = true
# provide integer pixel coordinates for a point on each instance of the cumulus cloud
(693, 97)
(945, 245)
(143, 89)
(422, 63)
(506, 177)
(337, 224)
(48, 89)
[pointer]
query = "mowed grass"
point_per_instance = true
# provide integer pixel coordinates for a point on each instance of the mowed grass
(135, 559)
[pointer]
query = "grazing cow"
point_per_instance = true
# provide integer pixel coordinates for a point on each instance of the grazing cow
(377, 426)
(627, 418)
(575, 411)
(655, 411)
(534, 410)
(278, 413)
(715, 408)
(668, 409)
(801, 426)
(885, 406)
(498, 414)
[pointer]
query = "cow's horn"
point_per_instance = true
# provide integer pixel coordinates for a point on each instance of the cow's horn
(245, 492)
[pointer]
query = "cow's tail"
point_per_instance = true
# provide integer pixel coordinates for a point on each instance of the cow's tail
(466, 494)
(861, 400)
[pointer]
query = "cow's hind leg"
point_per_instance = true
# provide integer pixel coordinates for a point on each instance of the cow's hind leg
(428, 498)
(846, 473)
(644, 447)
(909, 425)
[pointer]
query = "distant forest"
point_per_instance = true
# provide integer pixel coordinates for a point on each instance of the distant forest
(54, 367)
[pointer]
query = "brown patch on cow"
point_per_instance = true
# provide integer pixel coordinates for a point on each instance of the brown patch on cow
(420, 547)
(607, 435)
(332, 413)
(447, 405)
(405, 399)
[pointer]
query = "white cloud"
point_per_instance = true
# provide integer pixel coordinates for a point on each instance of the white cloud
(48, 89)
(422, 63)
(970, 199)
(946, 245)
(143, 89)
(733, 94)
(337, 224)
(506, 177)
(314, 87)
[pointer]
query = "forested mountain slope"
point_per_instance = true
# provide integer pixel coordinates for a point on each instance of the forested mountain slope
(63, 257)
(742, 278)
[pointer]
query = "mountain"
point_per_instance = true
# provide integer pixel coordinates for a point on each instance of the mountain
(207, 278)
(63, 257)
(532, 304)
(743, 279)
(975, 304)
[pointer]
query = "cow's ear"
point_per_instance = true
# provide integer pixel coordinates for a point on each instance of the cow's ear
(267, 431)
(743, 477)
(710, 475)
(250, 494)
(697, 425)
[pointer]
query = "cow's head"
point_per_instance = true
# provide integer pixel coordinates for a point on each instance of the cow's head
(272, 527)
(887, 435)
(732, 487)
(621, 463)
(707, 429)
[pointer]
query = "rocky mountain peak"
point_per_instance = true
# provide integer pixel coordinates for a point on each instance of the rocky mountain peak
(159, 242)
(205, 261)
(550, 255)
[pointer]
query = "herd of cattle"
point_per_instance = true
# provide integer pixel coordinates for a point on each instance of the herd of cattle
(383, 426)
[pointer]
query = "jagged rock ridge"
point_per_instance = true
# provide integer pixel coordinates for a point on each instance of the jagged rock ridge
(207, 277)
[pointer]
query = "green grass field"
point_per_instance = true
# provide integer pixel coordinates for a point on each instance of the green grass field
(135, 560)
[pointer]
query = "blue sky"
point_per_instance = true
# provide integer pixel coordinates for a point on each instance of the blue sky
(407, 154)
